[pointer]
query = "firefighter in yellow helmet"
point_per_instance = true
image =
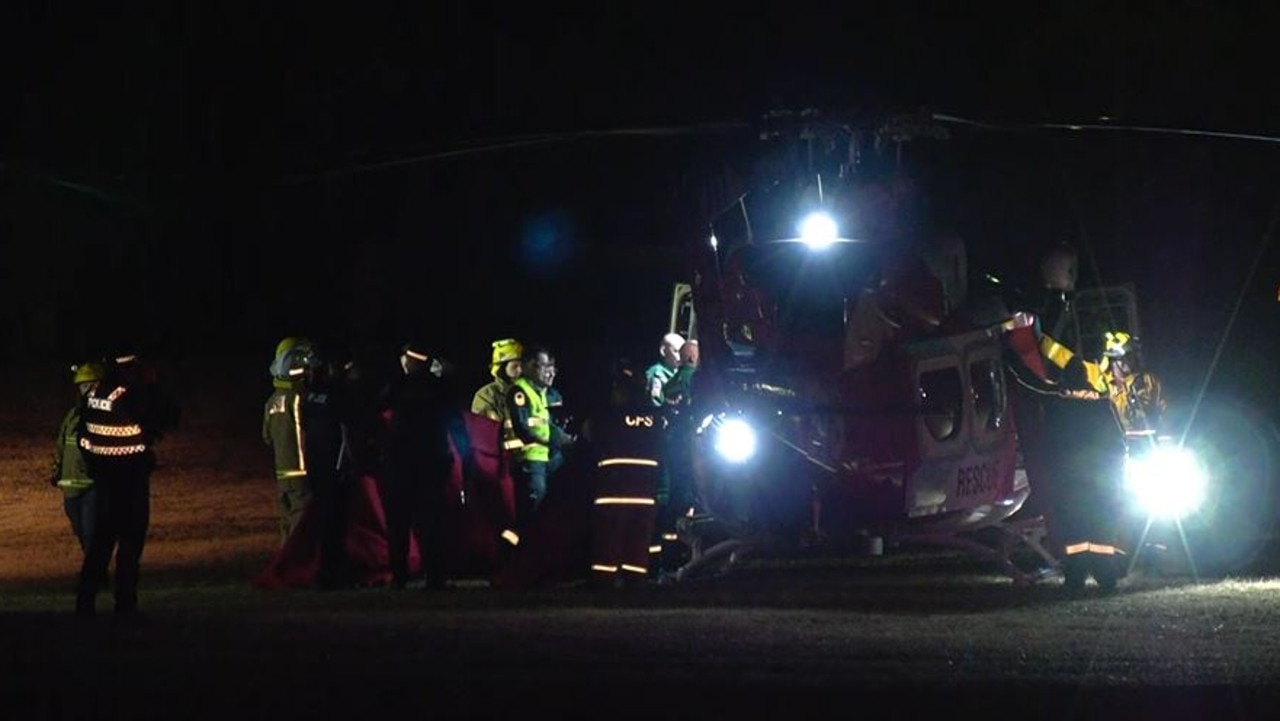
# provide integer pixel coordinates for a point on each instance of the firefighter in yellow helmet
(1136, 394)
(70, 475)
(1084, 447)
(491, 400)
(281, 430)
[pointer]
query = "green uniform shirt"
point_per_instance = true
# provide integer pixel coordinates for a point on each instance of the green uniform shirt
(69, 470)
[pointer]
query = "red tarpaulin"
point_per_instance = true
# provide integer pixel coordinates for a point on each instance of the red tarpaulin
(481, 504)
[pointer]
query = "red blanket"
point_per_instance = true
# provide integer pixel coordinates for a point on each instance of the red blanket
(481, 504)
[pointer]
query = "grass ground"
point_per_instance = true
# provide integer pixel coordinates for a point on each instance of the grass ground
(899, 635)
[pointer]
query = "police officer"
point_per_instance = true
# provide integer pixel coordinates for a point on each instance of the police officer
(325, 419)
(281, 426)
(419, 412)
(123, 418)
(70, 474)
(625, 441)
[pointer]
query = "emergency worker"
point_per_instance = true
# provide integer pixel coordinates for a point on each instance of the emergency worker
(664, 370)
(70, 474)
(625, 442)
(531, 421)
(675, 494)
(1137, 394)
(1081, 449)
(325, 420)
(417, 461)
(491, 400)
(281, 430)
(559, 416)
(124, 417)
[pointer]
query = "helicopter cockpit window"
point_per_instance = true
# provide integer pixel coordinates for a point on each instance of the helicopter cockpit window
(809, 286)
(987, 381)
(941, 399)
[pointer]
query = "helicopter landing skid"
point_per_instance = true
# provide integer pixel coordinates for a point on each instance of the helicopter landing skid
(710, 548)
(1028, 532)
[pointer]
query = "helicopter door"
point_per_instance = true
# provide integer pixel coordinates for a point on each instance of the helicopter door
(941, 429)
(963, 430)
(683, 319)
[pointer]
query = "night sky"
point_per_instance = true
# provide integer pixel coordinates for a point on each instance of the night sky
(240, 172)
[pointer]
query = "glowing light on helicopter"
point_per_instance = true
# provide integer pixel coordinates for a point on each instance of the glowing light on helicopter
(1168, 482)
(818, 230)
(715, 242)
(735, 440)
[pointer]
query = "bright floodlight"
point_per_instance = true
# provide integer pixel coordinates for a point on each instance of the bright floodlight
(1168, 482)
(735, 440)
(818, 230)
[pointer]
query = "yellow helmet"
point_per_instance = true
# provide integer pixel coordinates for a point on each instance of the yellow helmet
(506, 350)
(1118, 344)
(288, 344)
(88, 372)
(279, 368)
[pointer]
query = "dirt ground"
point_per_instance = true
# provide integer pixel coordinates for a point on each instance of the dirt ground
(900, 635)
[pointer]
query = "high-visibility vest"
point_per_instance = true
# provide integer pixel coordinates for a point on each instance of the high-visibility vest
(108, 427)
(539, 422)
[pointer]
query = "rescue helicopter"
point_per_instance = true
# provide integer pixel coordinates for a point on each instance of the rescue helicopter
(855, 393)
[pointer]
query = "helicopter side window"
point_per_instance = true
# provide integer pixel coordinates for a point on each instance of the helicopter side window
(941, 399)
(988, 394)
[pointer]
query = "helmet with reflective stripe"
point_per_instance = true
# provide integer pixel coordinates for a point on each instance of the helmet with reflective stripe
(1119, 343)
(280, 365)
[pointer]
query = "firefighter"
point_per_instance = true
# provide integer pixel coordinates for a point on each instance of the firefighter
(531, 422)
(281, 431)
(70, 474)
(625, 441)
(1083, 449)
(491, 400)
(125, 415)
(417, 462)
(1136, 393)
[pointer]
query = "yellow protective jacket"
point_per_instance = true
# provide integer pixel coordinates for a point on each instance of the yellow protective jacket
(282, 430)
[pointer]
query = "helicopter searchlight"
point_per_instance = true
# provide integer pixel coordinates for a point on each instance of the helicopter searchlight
(735, 440)
(818, 230)
(1167, 482)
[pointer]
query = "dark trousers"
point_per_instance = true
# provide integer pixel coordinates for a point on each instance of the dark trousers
(531, 487)
(123, 509)
(82, 511)
(416, 505)
(329, 503)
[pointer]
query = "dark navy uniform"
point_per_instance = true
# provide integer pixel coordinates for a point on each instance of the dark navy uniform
(122, 419)
(325, 416)
(420, 412)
